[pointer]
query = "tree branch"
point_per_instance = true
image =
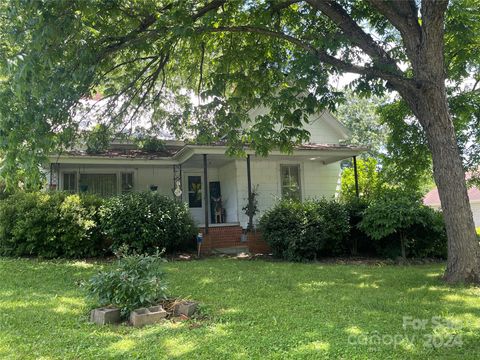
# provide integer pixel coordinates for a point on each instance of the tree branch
(215, 4)
(342, 19)
(278, 6)
(322, 55)
(403, 15)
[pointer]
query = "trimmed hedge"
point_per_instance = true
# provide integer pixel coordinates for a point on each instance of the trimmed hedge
(50, 225)
(304, 231)
(146, 221)
(56, 224)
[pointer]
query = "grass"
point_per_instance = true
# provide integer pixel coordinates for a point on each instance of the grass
(256, 310)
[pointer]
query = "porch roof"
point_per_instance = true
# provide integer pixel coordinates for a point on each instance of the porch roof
(176, 153)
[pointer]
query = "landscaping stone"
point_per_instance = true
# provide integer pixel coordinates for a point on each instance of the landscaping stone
(103, 316)
(147, 316)
(186, 308)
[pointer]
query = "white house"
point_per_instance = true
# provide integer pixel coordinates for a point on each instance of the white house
(201, 174)
(432, 199)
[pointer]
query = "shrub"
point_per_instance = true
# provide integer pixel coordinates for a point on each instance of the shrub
(358, 241)
(145, 221)
(303, 231)
(49, 225)
(135, 281)
(399, 217)
(428, 235)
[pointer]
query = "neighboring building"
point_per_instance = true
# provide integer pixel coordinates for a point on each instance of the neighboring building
(432, 199)
(312, 170)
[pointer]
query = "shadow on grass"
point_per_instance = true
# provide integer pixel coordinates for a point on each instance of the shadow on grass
(256, 310)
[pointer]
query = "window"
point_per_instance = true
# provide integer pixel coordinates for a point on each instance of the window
(290, 180)
(70, 182)
(195, 191)
(127, 182)
(99, 184)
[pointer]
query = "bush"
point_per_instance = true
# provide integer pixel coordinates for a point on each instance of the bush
(146, 221)
(358, 241)
(304, 231)
(135, 281)
(49, 225)
(399, 220)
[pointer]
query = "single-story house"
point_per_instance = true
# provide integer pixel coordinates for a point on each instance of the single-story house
(214, 185)
(432, 199)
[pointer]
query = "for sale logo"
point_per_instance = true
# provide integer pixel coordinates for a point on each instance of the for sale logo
(434, 332)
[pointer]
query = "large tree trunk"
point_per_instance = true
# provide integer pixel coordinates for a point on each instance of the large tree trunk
(427, 98)
(463, 263)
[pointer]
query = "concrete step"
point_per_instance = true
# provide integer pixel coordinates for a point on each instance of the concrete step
(230, 250)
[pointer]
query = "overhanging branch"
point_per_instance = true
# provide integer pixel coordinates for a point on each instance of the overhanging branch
(322, 55)
(337, 14)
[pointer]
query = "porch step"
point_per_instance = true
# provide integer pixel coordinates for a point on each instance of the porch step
(230, 250)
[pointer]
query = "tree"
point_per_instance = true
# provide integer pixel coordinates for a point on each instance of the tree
(237, 55)
(369, 181)
(360, 116)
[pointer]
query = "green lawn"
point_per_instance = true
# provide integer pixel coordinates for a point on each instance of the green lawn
(256, 309)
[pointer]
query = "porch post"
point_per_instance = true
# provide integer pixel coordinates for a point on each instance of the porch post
(355, 171)
(249, 185)
(205, 191)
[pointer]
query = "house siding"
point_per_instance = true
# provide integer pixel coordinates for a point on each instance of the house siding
(476, 213)
(317, 180)
(227, 175)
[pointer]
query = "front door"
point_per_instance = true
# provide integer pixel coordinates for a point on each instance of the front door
(194, 196)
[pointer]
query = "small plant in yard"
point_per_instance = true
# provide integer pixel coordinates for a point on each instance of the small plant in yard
(135, 281)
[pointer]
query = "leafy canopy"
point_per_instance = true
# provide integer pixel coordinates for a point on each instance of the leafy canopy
(148, 57)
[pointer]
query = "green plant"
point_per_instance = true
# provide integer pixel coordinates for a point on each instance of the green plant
(98, 139)
(145, 221)
(50, 225)
(369, 181)
(358, 241)
(135, 281)
(304, 231)
(150, 143)
(399, 215)
(251, 208)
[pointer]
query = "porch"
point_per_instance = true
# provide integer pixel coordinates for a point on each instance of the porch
(215, 187)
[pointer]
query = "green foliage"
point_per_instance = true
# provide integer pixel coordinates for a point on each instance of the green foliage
(369, 180)
(149, 57)
(399, 217)
(134, 281)
(151, 144)
(98, 139)
(360, 116)
(146, 221)
(251, 208)
(407, 160)
(304, 231)
(357, 240)
(147, 140)
(4, 193)
(50, 225)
